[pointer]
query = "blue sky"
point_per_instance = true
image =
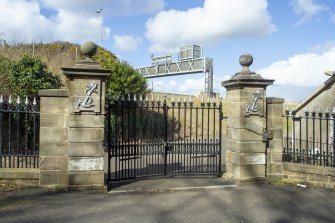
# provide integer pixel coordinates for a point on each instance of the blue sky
(292, 41)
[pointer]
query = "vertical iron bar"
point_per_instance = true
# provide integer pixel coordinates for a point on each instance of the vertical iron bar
(135, 131)
(179, 127)
(18, 132)
(165, 135)
(313, 140)
(208, 130)
(202, 135)
(1, 103)
(108, 119)
(300, 140)
(220, 137)
(320, 120)
(307, 149)
(287, 113)
(34, 129)
(333, 117)
(191, 132)
(9, 132)
(128, 138)
(293, 136)
(185, 145)
(327, 137)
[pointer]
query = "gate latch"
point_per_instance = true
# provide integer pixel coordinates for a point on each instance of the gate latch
(266, 135)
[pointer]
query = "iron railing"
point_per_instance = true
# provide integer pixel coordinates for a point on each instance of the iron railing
(309, 138)
(19, 133)
(153, 137)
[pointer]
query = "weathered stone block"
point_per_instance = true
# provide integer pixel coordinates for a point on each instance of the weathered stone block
(276, 123)
(87, 121)
(245, 147)
(276, 143)
(53, 120)
(48, 148)
(245, 159)
(19, 173)
(86, 163)
(49, 178)
(86, 134)
(274, 169)
(243, 135)
(245, 172)
(275, 157)
(318, 177)
(86, 178)
(86, 149)
(48, 134)
(53, 163)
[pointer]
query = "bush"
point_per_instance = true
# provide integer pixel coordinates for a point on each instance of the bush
(29, 74)
(5, 70)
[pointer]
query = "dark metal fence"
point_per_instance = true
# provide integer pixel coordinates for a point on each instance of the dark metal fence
(152, 137)
(19, 133)
(309, 138)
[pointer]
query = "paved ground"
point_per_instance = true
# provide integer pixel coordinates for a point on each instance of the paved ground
(230, 203)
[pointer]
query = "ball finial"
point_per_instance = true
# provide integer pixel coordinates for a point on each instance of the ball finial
(88, 49)
(245, 61)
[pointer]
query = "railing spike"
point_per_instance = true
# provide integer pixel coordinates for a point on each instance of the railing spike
(18, 101)
(172, 99)
(327, 109)
(128, 97)
(10, 100)
(146, 98)
(164, 97)
(208, 99)
(202, 99)
(141, 98)
(334, 110)
(122, 97)
(27, 101)
(1, 99)
(320, 109)
(306, 109)
(190, 98)
(184, 99)
(134, 97)
(178, 98)
(34, 102)
(152, 97)
(158, 98)
(313, 108)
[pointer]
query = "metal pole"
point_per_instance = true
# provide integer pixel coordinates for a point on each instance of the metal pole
(101, 21)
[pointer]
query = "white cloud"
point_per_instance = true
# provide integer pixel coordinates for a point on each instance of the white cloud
(217, 19)
(306, 9)
(187, 86)
(126, 42)
(302, 70)
(110, 7)
(74, 20)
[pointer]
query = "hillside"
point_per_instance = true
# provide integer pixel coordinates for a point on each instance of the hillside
(55, 55)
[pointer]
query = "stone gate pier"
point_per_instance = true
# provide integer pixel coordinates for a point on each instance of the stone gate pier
(72, 127)
(247, 133)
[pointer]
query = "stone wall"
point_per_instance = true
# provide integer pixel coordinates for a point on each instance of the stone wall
(316, 176)
(20, 176)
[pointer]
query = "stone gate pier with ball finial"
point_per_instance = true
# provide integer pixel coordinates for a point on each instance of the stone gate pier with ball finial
(72, 127)
(250, 139)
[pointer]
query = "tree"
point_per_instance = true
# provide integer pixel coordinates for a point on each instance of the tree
(124, 79)
(30, 74)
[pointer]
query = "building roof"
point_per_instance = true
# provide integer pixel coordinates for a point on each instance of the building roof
(326, 85)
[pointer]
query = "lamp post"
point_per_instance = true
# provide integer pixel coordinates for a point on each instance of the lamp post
(100, 12)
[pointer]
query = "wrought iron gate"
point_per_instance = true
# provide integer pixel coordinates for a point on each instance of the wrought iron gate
(152, 137)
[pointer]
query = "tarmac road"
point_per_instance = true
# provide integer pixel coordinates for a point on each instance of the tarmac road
(230, 203)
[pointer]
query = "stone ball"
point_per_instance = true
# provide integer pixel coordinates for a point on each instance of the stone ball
(246, 60)
(88, 48)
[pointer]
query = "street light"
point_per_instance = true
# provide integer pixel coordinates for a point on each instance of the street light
(100, 12)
